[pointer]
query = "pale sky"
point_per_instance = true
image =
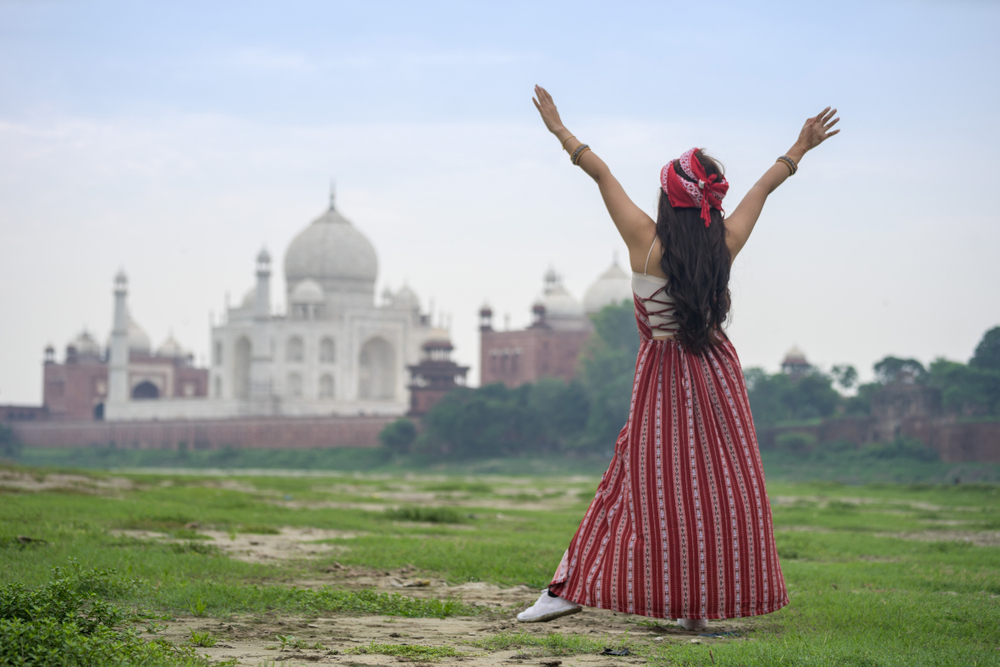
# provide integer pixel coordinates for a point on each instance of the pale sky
(174, 139)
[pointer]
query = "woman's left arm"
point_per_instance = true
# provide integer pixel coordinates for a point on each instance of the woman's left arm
(635, 227)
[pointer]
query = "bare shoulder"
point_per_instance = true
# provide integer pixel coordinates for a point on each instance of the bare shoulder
(645, 250)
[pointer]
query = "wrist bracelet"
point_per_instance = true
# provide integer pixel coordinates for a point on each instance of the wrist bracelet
(572, 136)
(580, 150)
(790, 163)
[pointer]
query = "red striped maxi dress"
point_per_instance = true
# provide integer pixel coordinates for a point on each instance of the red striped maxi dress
(680, 526)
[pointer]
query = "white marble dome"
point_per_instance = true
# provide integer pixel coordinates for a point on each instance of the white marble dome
(86, 345)
(171, 348)
(560, 304)
(334, 253)
(406, 299)
(612, 287)
(138, 340)
(307, 291)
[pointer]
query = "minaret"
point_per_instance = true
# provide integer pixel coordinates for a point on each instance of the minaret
(118, 358)
(260, 363)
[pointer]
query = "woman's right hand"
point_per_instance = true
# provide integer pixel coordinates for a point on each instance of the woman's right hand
(547, 108)
(817, 129)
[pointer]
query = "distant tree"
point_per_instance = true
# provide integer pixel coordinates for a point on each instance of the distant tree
(966, 390)
(795, 442)
(398, 436)
(845, 376)
(813, 396)
(10, 446)
(562, 409)
(987, 355)
(860, 405)
(484, 422)
(893, 369)
(768, 397)
(607, 369)
(777, 398)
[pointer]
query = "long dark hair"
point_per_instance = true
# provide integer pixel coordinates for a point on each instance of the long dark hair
(696, 262)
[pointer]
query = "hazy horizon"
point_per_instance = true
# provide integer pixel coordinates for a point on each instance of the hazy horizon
(175, 140)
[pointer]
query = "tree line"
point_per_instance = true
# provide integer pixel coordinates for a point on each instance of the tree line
(586, 414)
(969, 390)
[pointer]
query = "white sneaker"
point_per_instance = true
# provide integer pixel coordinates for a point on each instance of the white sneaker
(692, 624)
(548, 608)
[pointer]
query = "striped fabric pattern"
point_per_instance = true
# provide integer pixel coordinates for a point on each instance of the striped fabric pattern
(680, 526)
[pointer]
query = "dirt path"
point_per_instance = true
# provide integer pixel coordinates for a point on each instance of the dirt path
(255, 641)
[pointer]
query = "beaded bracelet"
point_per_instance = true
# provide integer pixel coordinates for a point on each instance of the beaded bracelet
(790, 163)
(578, 153)
(572, 136)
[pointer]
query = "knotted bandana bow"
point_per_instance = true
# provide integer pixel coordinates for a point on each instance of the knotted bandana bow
(702, 191)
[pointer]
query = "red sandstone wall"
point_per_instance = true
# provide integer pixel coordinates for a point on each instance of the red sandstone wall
(543, 353)
(270, 433)
(957, 442)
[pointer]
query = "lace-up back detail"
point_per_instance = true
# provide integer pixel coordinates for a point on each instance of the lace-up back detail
(654, 307)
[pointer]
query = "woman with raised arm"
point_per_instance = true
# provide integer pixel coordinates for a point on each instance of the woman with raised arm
(680, 526)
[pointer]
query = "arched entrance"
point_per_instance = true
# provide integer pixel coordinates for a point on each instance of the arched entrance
(145, 391)
(99, 412)
(377, 369)
(241, 368)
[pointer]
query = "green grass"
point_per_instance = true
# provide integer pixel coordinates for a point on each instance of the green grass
(860, 594)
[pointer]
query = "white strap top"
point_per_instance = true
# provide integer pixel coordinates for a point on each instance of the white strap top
(652, 291)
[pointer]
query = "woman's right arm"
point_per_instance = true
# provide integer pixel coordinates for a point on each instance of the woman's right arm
(740, 224)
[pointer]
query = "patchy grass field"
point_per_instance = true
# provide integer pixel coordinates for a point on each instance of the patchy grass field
(356, 569)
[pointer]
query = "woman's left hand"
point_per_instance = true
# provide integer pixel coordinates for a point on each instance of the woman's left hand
(547, 108)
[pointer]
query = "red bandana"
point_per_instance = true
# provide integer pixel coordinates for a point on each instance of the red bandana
(702, 191)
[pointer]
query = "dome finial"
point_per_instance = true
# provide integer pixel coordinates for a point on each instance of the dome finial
(333, 195)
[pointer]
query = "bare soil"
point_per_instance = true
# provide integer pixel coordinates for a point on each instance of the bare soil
(254, 641)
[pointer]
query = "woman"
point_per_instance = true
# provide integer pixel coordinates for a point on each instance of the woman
(680, 526)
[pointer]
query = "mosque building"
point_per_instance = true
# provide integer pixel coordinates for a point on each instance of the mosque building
(77, 388)
(560, 328)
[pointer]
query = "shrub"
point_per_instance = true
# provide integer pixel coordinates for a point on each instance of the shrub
(428, 514)
(10, 446)
(902, 448)
(66, 622)
(398, 436)
(795, 442)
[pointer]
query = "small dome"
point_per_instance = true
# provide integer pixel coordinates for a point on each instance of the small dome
(557, 301)
(611, 288)
(795, 356)
(138, 340)
(307, 291)
(171, 348)
(406, 299)
(559, 304)
(334, 253)
(86, 344)
(439, 335)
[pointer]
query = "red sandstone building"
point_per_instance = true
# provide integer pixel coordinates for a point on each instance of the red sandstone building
(558, 333)
(435, 375)
(76, 389)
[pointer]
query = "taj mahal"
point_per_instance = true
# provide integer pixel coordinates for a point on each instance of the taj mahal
(335, 352)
